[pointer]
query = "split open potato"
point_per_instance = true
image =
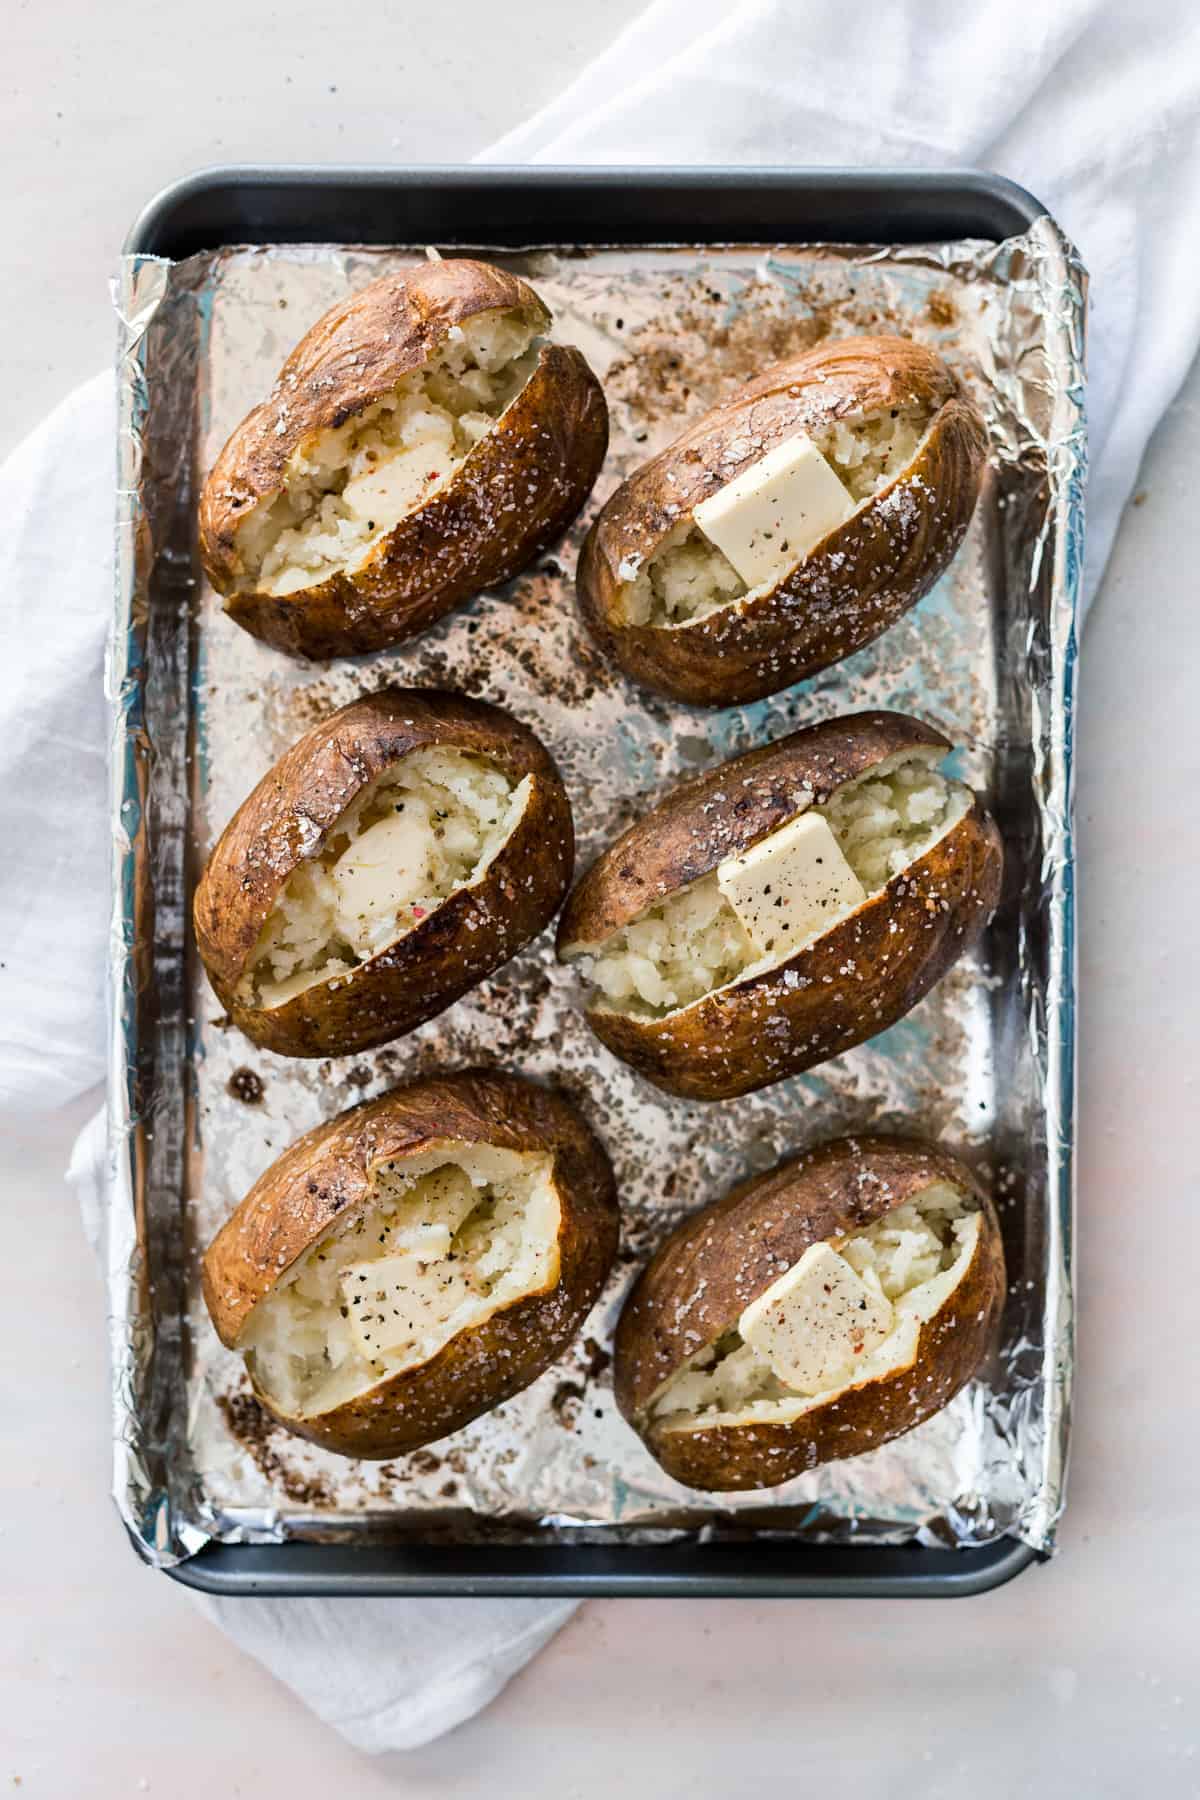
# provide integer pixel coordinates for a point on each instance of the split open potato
(783, 907)
(416, 1261)
(422, 442)
(813, 1313)
(789, 526)
(402, 850)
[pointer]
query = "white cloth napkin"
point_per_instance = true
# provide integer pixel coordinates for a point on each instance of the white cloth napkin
(56, 585)
(1093, 107)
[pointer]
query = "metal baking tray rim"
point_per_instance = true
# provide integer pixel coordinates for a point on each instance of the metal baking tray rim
(917, 202)
(912, 206)
(589, 1571)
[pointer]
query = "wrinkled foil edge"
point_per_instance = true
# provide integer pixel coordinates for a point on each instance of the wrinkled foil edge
(141, 1315)
(1062, 278)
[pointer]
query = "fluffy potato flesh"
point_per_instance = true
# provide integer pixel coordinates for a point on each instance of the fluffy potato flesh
(448, 1238)
(349, 486)
(694, 941)
(848, 1313)
(688, 577)
(429, 825)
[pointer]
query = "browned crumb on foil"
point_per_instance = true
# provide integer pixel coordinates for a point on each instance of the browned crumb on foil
(246, 1086)
(597, 1358)
(256, 1431)
(659, 377)
(566, 1404)
(941, 310)
(419, 1462)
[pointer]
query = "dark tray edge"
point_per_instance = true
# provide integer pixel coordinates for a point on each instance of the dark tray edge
(359, 204)
(754, 1571)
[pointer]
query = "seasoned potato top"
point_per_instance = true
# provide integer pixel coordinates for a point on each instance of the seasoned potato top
(414, 1261)
(427, 826)
(801, 1281)
(448, 1238)
(761, 481)
(740, 871)
(370, 414)
(845, 1312)
(362, 831)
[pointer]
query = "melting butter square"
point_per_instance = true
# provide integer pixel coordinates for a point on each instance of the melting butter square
(771, 515)
(791, 886)
(817, 1321)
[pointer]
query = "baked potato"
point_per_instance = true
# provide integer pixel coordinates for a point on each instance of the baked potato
(422, 442)
(415, 1261)
(813, 1313)
(787, 527)
(399, 852)
(787, 905)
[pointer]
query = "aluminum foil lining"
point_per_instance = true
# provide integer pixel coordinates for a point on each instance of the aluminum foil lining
(985, 1063)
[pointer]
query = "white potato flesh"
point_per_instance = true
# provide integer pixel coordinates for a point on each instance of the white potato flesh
(383, 873)
(910, 1261)
(690, 575)
(386, 490)
(398, 1301)
(350, 486)
(447, 1238)
(428, 826)
(707, 935)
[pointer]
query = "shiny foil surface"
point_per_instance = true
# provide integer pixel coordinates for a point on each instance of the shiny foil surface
(985, 1063)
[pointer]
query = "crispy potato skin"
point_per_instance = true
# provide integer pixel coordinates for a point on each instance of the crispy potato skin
(710, 1269)
(852, 586)
(518, 489)
(473, 932)
(327, 1174)
(761, 1029)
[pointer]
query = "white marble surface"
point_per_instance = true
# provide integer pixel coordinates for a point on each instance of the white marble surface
(1080, 1679)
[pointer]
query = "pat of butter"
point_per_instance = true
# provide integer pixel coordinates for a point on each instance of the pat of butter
(382, 872)
(817, 1322)
(792, 885)
(394, 1302)
(769, 518)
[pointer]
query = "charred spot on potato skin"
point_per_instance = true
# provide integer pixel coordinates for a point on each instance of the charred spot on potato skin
(246, 1086)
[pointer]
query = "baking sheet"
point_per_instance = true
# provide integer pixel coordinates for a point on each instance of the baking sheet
(985, 1062)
